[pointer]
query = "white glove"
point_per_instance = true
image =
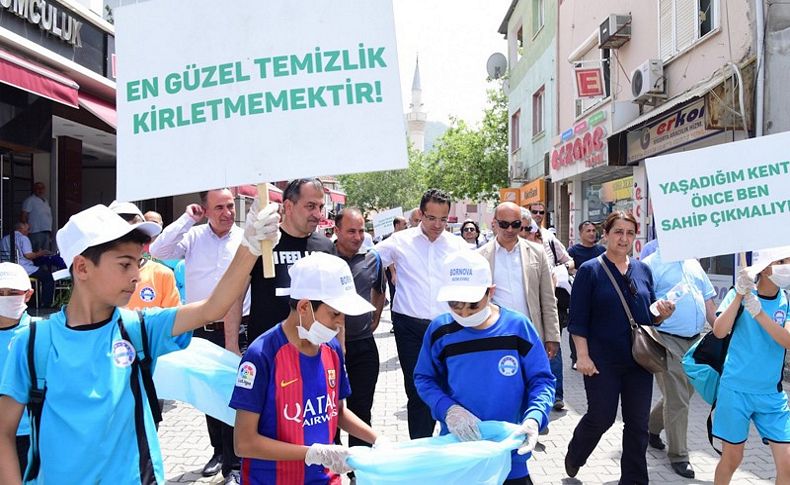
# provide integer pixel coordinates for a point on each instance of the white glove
(462, 423)
(329, 456)
(261, 226)
(382, 443)
(752, 304)
(530, 430)
(744, 283)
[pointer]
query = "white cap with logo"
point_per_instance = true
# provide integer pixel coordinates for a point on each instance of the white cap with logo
(125, 208)
(466, 276)
(14, 277)
(326, 278)
(763, 258)
(94, 226)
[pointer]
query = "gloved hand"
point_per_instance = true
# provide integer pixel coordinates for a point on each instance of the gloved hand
(382, 443)
(330, 456)
(530, 428)
(260, 226)
(744, 283)
(752, 304)
(462, 423)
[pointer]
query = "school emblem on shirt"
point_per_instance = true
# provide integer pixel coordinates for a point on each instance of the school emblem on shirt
(508, 366)
(330, 374)
(779, 317)
(246, 376)
(147, 294)
(123, 353)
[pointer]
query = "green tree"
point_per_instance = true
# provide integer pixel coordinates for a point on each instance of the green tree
(387, 189)
(471, 163)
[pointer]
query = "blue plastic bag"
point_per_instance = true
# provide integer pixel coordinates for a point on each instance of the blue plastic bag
(441, 459)
(202, 375)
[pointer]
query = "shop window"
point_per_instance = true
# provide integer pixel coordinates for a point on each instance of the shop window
(538, 103)
(515, 142)
(681, 23)
(538, 15)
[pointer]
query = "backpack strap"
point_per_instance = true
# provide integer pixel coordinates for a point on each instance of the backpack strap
(37, 355)
(145, 463)
(709, 425)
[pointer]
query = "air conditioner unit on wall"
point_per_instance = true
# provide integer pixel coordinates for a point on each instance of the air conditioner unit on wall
(614, 31)
(647, 81)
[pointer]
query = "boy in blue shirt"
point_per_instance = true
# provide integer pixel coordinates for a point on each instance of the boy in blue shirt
(750, 388)
(15, 292)
(93, 429)
(480, 342)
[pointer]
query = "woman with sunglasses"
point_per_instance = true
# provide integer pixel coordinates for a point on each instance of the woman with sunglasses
(471, 233)
(602, 334)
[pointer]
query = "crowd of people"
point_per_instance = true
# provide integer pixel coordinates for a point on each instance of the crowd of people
(465, 311)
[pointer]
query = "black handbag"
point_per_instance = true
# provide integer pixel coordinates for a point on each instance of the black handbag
(646, 346)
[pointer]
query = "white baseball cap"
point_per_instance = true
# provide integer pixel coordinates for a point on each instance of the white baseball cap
(94, 226)
(14, 277)
(466, 276)
(125, 208)
(763, 258)
(326, 278)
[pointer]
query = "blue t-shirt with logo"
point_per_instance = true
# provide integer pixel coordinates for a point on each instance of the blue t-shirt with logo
(755, 360)
(87, 424)
(6, 335)
(499, 373)
(297, 397)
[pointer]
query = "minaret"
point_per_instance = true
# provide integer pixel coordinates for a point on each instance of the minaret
(416, 117)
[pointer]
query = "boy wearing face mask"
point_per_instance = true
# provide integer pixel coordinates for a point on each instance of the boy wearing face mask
(751, 382)
(480, 342)
(15, 292)
(291, 385)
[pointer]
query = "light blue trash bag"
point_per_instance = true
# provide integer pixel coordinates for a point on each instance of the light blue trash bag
(202, 375)
(441, 460)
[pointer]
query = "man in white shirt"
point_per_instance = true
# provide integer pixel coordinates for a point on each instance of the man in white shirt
(37, 212)
(522, 276)
(419, 253)
(207, 251)
(25, 256)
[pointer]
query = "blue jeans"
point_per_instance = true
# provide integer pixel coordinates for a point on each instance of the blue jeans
(556, 369)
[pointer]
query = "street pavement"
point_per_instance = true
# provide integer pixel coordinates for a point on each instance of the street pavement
(186, 449)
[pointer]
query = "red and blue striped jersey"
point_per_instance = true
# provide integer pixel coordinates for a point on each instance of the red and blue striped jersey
(297, 397)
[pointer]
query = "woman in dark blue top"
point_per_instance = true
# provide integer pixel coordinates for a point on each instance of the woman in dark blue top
(602, 335)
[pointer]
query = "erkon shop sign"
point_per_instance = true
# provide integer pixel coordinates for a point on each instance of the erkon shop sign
(581, 148)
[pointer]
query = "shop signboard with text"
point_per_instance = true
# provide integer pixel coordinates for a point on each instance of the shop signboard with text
(676, 129)
(723, 199)
(269, 92)
(581, 148)
(511, 194)
(533, 192)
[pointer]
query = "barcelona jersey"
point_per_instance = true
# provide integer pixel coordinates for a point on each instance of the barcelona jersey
(297, 397)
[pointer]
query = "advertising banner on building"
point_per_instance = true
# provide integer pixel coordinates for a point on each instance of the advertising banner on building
(533, 192)
(254, 91)
(581, 148)
(722, 199)
(382, 222)
(511, 194)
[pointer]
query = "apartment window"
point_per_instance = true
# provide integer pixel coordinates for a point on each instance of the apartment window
(681, 23)
(515, 125)
(516, 45)
(538, 103)
(538, 15)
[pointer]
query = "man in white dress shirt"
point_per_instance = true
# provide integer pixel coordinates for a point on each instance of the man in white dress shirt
(207, 251)
(419, 253)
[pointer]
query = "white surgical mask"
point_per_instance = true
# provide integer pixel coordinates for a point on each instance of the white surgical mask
(473, 320)
(780, 275)
(318, 333)
(12, 306)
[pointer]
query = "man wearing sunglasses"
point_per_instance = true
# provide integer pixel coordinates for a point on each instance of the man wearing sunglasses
(522, 276)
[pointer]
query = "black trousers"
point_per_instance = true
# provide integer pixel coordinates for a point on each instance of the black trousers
(518, 481)
(220, 434)
(409, 333)
(633, 387)
(44, 278)
(22, 446)
(362, 367)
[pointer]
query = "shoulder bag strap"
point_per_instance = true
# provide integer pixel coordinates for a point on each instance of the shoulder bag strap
(35, 404)
(617, 289)
(553, 251)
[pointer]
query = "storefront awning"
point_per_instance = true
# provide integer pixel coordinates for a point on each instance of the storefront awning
(336, 197)
(100, 109)
(695, 92)
(275, 194)
(33, 78)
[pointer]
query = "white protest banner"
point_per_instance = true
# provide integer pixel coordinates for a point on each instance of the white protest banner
(723, 199)
(223, 94)
(382, 222)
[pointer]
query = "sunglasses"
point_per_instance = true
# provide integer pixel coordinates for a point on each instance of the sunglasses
(526, 228)
(538, 212)
(470, 229)
(514, 224)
